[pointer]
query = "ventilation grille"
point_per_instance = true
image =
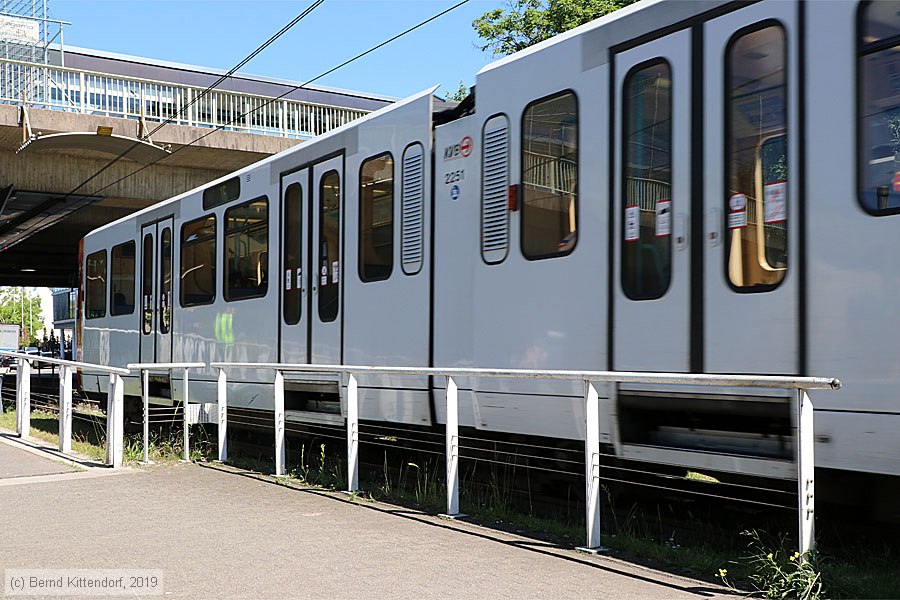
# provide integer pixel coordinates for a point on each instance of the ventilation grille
(494, 189)
(413, 209)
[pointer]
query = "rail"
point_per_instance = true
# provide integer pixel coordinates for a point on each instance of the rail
(87, 92)
(145, 370)
(803, 409)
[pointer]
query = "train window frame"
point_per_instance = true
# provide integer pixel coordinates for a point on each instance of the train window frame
(262, 267)
(222, 193)
(360, 265)
(625, 138)
(520, 195)
(116, 276)
(88, 296)
(297, 270)
(164, 292)
(726, 148)
(329, 275)
(212, 264)
(148, 247)
(864, 50)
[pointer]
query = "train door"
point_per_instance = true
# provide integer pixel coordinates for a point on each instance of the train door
(156, 291)
(751, 190)
(326, 227)
(295, 315)
(652, 266)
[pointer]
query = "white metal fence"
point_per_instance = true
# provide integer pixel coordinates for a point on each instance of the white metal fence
(803, 407)
(87, 92)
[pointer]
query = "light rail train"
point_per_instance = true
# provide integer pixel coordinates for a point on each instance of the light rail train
(703, 187)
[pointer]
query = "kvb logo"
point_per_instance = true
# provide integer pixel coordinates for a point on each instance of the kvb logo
(463, 149)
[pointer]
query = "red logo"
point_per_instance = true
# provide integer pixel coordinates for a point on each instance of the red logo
(465, 146)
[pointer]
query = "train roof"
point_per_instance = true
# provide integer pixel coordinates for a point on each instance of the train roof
(269, 159)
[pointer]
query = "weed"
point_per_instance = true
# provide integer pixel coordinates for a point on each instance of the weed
(774, 573)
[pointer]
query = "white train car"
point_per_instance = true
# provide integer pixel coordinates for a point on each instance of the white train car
(699, 187)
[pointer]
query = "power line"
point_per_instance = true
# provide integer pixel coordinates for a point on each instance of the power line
(290, 90)
(205, 92)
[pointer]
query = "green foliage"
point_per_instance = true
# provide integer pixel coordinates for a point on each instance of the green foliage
(459, 95)
(12, 302)
(527, 22)
(777, 573)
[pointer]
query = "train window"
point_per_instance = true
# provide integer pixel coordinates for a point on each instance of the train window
(222, 193)
(376, 218)
(147, 285)
(121, 289)
(550, 177)
(757, 165)
(495, 190)
(293, 254)
(413, 211)
(95, 285)
(165, 281)
(647, 182)
(329, 245)
(247, 250)
(879, 108)
(198, 261)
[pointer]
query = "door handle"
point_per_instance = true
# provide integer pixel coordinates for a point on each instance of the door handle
(714, 227)
(681, 236)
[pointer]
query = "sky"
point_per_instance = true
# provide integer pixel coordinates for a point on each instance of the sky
(221, 33)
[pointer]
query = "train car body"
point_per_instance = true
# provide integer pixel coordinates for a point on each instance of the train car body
(698, 187)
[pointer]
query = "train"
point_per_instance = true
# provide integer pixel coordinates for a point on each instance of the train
(688, 187)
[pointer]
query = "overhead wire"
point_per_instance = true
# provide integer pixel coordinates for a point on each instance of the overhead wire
(289, 91)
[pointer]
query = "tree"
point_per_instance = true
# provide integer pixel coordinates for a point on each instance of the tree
(12, 302)
(459, 95)
(527, 22)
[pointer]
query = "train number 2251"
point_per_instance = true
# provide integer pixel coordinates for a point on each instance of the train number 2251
(454, 176)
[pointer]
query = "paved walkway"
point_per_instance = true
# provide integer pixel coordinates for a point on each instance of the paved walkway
(216, 532)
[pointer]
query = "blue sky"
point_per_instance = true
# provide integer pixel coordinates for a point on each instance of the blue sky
(221, 33)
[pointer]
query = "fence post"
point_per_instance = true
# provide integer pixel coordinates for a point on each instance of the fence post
(223, 416)
(592, 468)
(352, 435)
(452, 434)
(279, 423)
(145, 392)
(23, 398)
(115, 422)
(65, 409)
(185, 398)
(806, 486)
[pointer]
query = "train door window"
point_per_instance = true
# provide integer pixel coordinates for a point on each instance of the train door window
(121, 289)
(376, 218)
(95, 285)
(247, 250)
(550, 177)
(147, 285)
(647, 182)
(495, 190)
(413, 199)
(757, 165)
(198, 261)
(329, 245)
(879, 108)
(165, 281)
(293, 254)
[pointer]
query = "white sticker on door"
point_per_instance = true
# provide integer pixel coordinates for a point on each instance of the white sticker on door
(737, 211)
(632, 223)
(664, 218)
(774, 201)
(334, 272)
(287, 279)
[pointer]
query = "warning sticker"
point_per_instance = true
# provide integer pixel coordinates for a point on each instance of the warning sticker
(334, 272)
(299, 280)
(737, 215)
(632, 223)
(287, 278)
(663, 218)
(774, 201)
(324, 280)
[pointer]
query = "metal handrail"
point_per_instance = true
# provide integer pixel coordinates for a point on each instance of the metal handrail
(804, 452)
(768, 381)
(86, 367)
(146, 369)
